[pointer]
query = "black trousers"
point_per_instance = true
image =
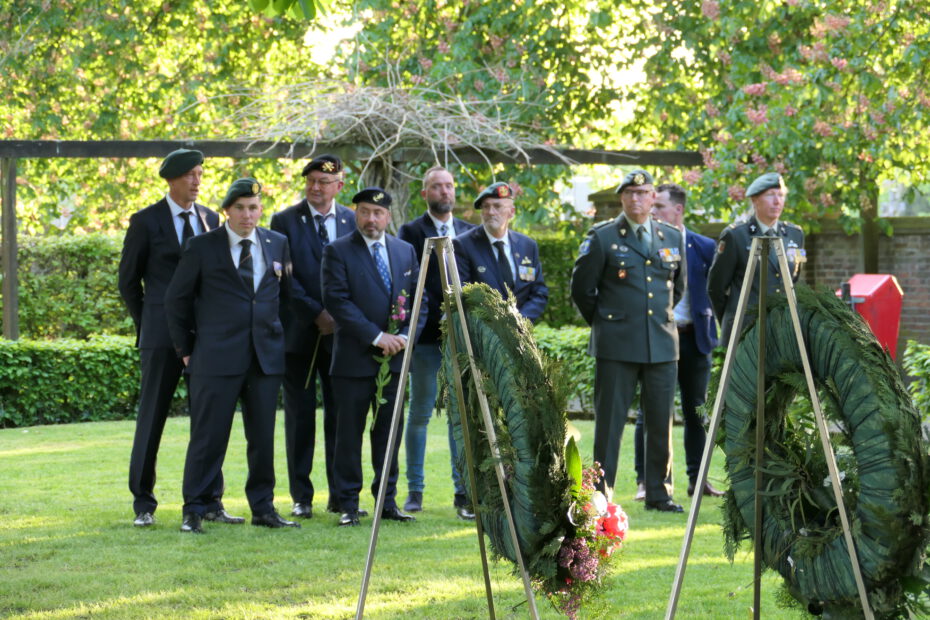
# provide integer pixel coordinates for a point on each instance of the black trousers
(354, 396)
(693, 377)
(300, 420)
(614, 387)
(161, 371)
(213, 404)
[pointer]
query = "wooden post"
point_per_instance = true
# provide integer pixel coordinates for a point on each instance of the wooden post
(10, 261)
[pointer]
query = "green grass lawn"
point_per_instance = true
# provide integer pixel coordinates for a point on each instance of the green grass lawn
(68, 549)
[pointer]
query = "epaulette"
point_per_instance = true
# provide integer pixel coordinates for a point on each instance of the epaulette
(791, 225)
(598, 226)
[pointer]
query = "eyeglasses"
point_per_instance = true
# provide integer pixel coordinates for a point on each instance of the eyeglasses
(321, 183)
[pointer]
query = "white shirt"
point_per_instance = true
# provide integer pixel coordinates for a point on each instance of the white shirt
(176, 211)
(450, 227)
(507, 251)
(329, 220)
(258, 255)
(683, 308)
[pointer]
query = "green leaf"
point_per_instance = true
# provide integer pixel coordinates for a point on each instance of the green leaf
(573, 465)
(258, 5)
(308, 8)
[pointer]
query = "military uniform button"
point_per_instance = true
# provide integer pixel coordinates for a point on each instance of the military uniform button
(669, 283)
(648, 278)
(610, 316)
(648, 262)
(650, 295)
(778, 290)
(649, 312)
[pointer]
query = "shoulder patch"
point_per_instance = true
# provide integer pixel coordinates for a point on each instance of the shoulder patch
(585, 246)
(601, 224)
(720, 246)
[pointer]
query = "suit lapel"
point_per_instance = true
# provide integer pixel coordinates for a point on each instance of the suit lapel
(307, 226)
(397, 268)
(224, 255)
(626, 232)
(265, 242)
(365, 258)
(345, 220)
(484, 244)
(166, 222)
(202, 215)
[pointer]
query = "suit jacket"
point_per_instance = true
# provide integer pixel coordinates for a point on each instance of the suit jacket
(700, 253)
(725, 278)
(416, 233)
(297, 224)
(628, 292)
(151, 252)
(355, 295)
(218, 321)
(478, 263)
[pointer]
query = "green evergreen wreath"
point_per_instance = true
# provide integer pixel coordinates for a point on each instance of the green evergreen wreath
(528, 413)
(880, 450)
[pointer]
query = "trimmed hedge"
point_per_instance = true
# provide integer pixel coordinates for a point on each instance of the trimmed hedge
(569, 345)
(557, 253)
(917, 365)
(68, 287)
(53, 382)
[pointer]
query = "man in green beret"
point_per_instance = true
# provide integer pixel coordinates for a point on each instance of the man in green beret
(223, 310)
(628, 277)
(766, 195)
(151, 250)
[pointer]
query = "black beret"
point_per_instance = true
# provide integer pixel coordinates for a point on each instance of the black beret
(637, 177)
(330, 164)
(180, 162)
(494, 190)
(373, 195)
(764, 182)
(246, 186)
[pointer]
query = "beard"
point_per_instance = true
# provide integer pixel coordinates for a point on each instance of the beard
(440, 207)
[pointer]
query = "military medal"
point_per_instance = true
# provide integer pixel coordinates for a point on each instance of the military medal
(621, 274)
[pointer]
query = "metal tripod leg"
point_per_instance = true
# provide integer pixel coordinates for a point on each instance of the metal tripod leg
(756, 255)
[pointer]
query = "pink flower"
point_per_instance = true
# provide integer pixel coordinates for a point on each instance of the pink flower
(711, 110)
(826, 199)
(724, 57)
(790, 110)
(835, 23)
(821, 128)
(692, 176)
(709, 162)
(755, 90)
(759, 160)
(736, 192)
(780, 168)
(479, 85)
(839, 63)
(496, 41)
(426, 63)
(443, 47)
(758, 116)
(710, 9)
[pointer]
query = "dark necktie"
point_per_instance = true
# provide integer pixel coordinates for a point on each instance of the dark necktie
(639, 235)
(321, 228)
(381, 265)
(504, 264)
(443, 230)
(188, 231)
(245, 265)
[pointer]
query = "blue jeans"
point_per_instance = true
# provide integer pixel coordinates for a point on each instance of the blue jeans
(427, 358)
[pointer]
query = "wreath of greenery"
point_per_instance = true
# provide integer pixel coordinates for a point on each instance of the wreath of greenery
(880, 451)
(528, 411)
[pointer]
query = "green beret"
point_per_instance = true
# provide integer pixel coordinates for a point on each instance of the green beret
(374, 196)
(764, 182)
(246, 186)
(330, 164)
(179, 162)
(637, 177)
(494, 190)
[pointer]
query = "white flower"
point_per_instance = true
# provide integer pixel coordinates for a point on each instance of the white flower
(600, 503)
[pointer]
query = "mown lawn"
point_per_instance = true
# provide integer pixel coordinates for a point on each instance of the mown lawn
(68, 549)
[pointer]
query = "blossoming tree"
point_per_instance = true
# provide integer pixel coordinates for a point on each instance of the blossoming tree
(835, 97)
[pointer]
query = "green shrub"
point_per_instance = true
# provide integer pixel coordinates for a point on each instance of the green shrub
(917, 365)
(68, 287)
(569, 345)
(557, 253)
(50, 382)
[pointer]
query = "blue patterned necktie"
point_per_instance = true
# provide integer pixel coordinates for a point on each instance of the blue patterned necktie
(381, 265)
(321, 228)
(443, 230)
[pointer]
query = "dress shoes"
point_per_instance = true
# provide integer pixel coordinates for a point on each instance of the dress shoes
(303, 510)
(393, 514)
(221, 516)
(465, 513)
(709, 489)
(192, 523)
(144, 519)
(349, 519)
(640, 492)
(273, 519)
(664, 506)
(414, 502)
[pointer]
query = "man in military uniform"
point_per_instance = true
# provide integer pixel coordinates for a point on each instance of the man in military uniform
(629, 275)
(767, 195)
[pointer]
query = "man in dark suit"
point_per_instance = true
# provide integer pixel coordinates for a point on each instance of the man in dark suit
(439, 193)
(501, 258)
(697, 337)
(725, 280)
(309, 226)
(222, 308)
(368, 282)
(629, 275)
(151, 251)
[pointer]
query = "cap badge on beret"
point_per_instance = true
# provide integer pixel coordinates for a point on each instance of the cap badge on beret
(503, 191)
(639, 179)
(378, 197)
(328, 166)
(255, 188)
